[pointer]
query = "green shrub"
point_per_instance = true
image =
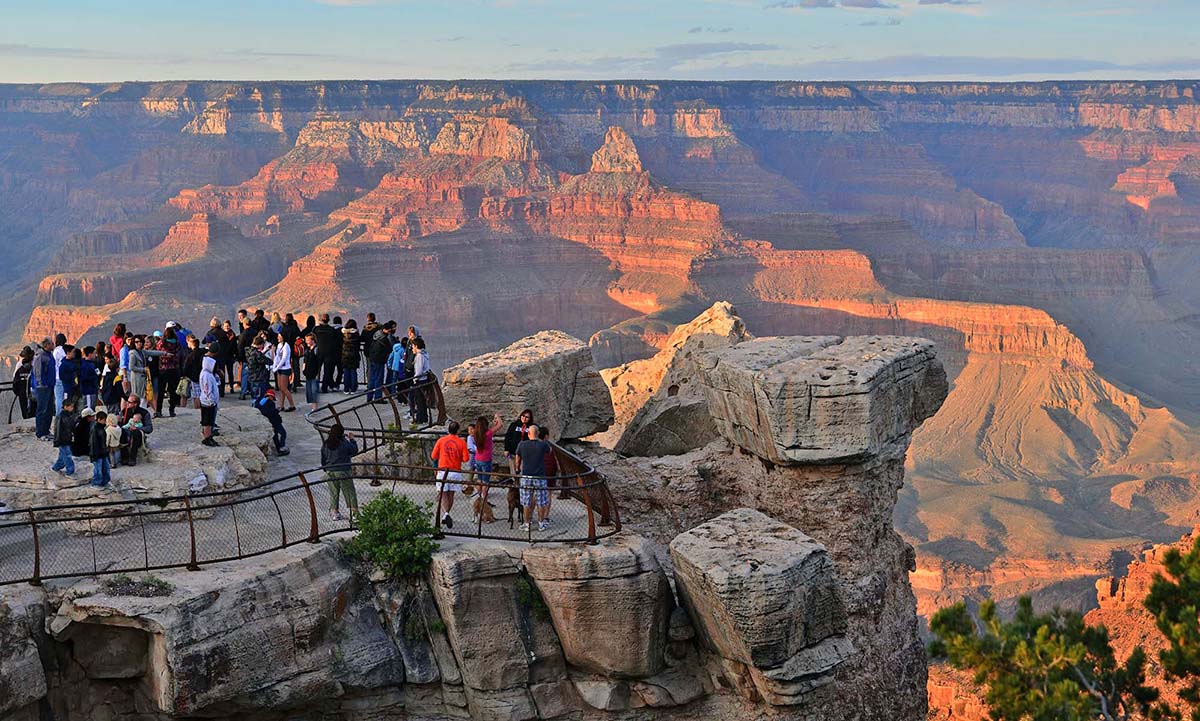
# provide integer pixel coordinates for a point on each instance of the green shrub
(395, 535)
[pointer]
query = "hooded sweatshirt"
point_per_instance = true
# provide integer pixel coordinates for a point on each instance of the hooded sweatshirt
(209, 388)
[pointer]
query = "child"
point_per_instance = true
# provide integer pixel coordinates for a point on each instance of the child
(64, 433)
(266, 406)
(101, 470)
(112, 433)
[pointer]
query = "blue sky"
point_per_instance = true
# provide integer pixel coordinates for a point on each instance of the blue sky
(108, 40)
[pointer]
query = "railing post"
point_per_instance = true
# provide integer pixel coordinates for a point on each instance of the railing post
(193, 564)
(587, 501)
(36, 580)
(314, 533)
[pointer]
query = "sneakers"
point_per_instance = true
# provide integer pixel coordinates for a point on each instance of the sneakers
(525, 527)
(208, 442)
(335, 515)
(447, 521)
(542, 525)
(282, 451)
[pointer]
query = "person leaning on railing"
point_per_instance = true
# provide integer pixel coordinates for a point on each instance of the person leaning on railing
(337, 453)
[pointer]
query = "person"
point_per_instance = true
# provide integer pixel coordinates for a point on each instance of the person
(227, 356)
(421, 375)
(64, 435)
(266, 406)
(112, 388)
(124, 361)
(245, 342)
(276, 326)
(102, 353)
(531, 467)
(329, 347)
(377, 356)
(81, 434)
(139, 363)
(243, 320)
(483, 436)
(23, 382)
(312, 372)
(394, 376)
(59, 354)
(281, 366)
(337, 452)
(209, 393)
(350, 359)
(190, 371)
(517, 430)
(68, 372)
(135, 423)
(291, 329)
(154, 343)
(117, 340)
(101, 469)
(259, 364)
(89, 378)
(337, 358)
(450, 453)
(410, 360)
(45, 377)
(112, 436)
(166, 381)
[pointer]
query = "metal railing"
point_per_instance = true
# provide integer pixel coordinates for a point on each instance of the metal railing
(124, 536)
(9, 400)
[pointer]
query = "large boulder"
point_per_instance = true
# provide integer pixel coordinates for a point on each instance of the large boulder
(506, 647)
(611, 603)
(292, 629)
(824, 399)
(765, 598)
(22, 680)
(551, 373)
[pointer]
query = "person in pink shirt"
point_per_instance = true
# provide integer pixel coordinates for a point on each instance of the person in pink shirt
(481, 442)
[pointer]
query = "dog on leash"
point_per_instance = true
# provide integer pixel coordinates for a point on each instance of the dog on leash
(484, 509)
(514, 504)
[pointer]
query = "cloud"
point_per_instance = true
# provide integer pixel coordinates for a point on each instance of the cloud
(813, 4)
(888, 23)
(948, 2)
(708, 29)
(660, 61)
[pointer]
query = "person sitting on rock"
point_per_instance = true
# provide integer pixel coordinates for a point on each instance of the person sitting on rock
(64, 436)
(266, 406)
(531, 466)
(450, 453)
(209, 393)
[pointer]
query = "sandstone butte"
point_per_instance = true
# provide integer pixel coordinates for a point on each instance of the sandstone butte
(1042, 235)
(779, 591)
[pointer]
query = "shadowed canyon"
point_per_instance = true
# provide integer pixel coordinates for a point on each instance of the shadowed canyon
(1046, 236)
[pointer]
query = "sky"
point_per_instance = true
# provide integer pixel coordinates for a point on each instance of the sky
(114, 40)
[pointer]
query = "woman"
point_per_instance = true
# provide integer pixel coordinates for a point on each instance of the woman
(281, 366)
(291, 329)
(139, 367)
(350, 356)
(21, 384)
(117, 341)
(336, 454)
(312, 373)
(517, 431)
(227, 353)
(483, 434)
(276, 326)
(192, 365)
(168, 374)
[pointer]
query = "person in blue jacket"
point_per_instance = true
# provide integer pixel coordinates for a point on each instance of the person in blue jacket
(89, 378)
(68, 371)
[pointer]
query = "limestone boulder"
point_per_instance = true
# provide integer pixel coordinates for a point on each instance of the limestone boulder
(825, 399)
(291, 630)
(765, 598)
(550, 372)
(610, 603)
(498, 629)
(22, 679)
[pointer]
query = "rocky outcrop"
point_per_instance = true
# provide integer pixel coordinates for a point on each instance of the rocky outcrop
(550, 373)
(617, 155)
(22, 680)
(766, 600)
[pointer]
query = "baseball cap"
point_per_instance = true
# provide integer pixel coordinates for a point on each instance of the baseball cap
(158, 334)
(172, 324)
(270, 393)
(87, 413)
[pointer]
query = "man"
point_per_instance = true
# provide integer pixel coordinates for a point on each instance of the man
(210, 390)
(243, 320)
(266, 406)
(259, 373)
(421, 375)
(64, 435)
(377, 356)
(329, 348)
(244, 344)
(45, 376)
(450, 453)
(312, 372)
(59, 354)
(89, 378)
(134, 423)
(23, 382)
(368, 333)
(531, 466)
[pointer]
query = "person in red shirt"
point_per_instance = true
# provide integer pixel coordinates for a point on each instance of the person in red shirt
(450, 453)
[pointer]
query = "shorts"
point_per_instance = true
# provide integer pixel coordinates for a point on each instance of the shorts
(534, 489)
(286, 373)
(208, 415)
(453, 481)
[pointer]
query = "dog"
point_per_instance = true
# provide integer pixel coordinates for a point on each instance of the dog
(514, 504)
(484, 508)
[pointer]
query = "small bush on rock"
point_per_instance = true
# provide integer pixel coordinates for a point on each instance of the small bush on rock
(395, 535)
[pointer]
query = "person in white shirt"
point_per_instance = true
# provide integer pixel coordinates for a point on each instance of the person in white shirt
(421, 375)
(59, 354)
(281, 368)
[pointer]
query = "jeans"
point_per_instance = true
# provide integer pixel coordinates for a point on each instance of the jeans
(65, 460)
(242, 381)
(45, 410)
(89, 401)
(58, 396)
(312, 390)
(279, 435)
(258, 389)
(100, 472)
(351, 378)
(327, 371)
(375, 381)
